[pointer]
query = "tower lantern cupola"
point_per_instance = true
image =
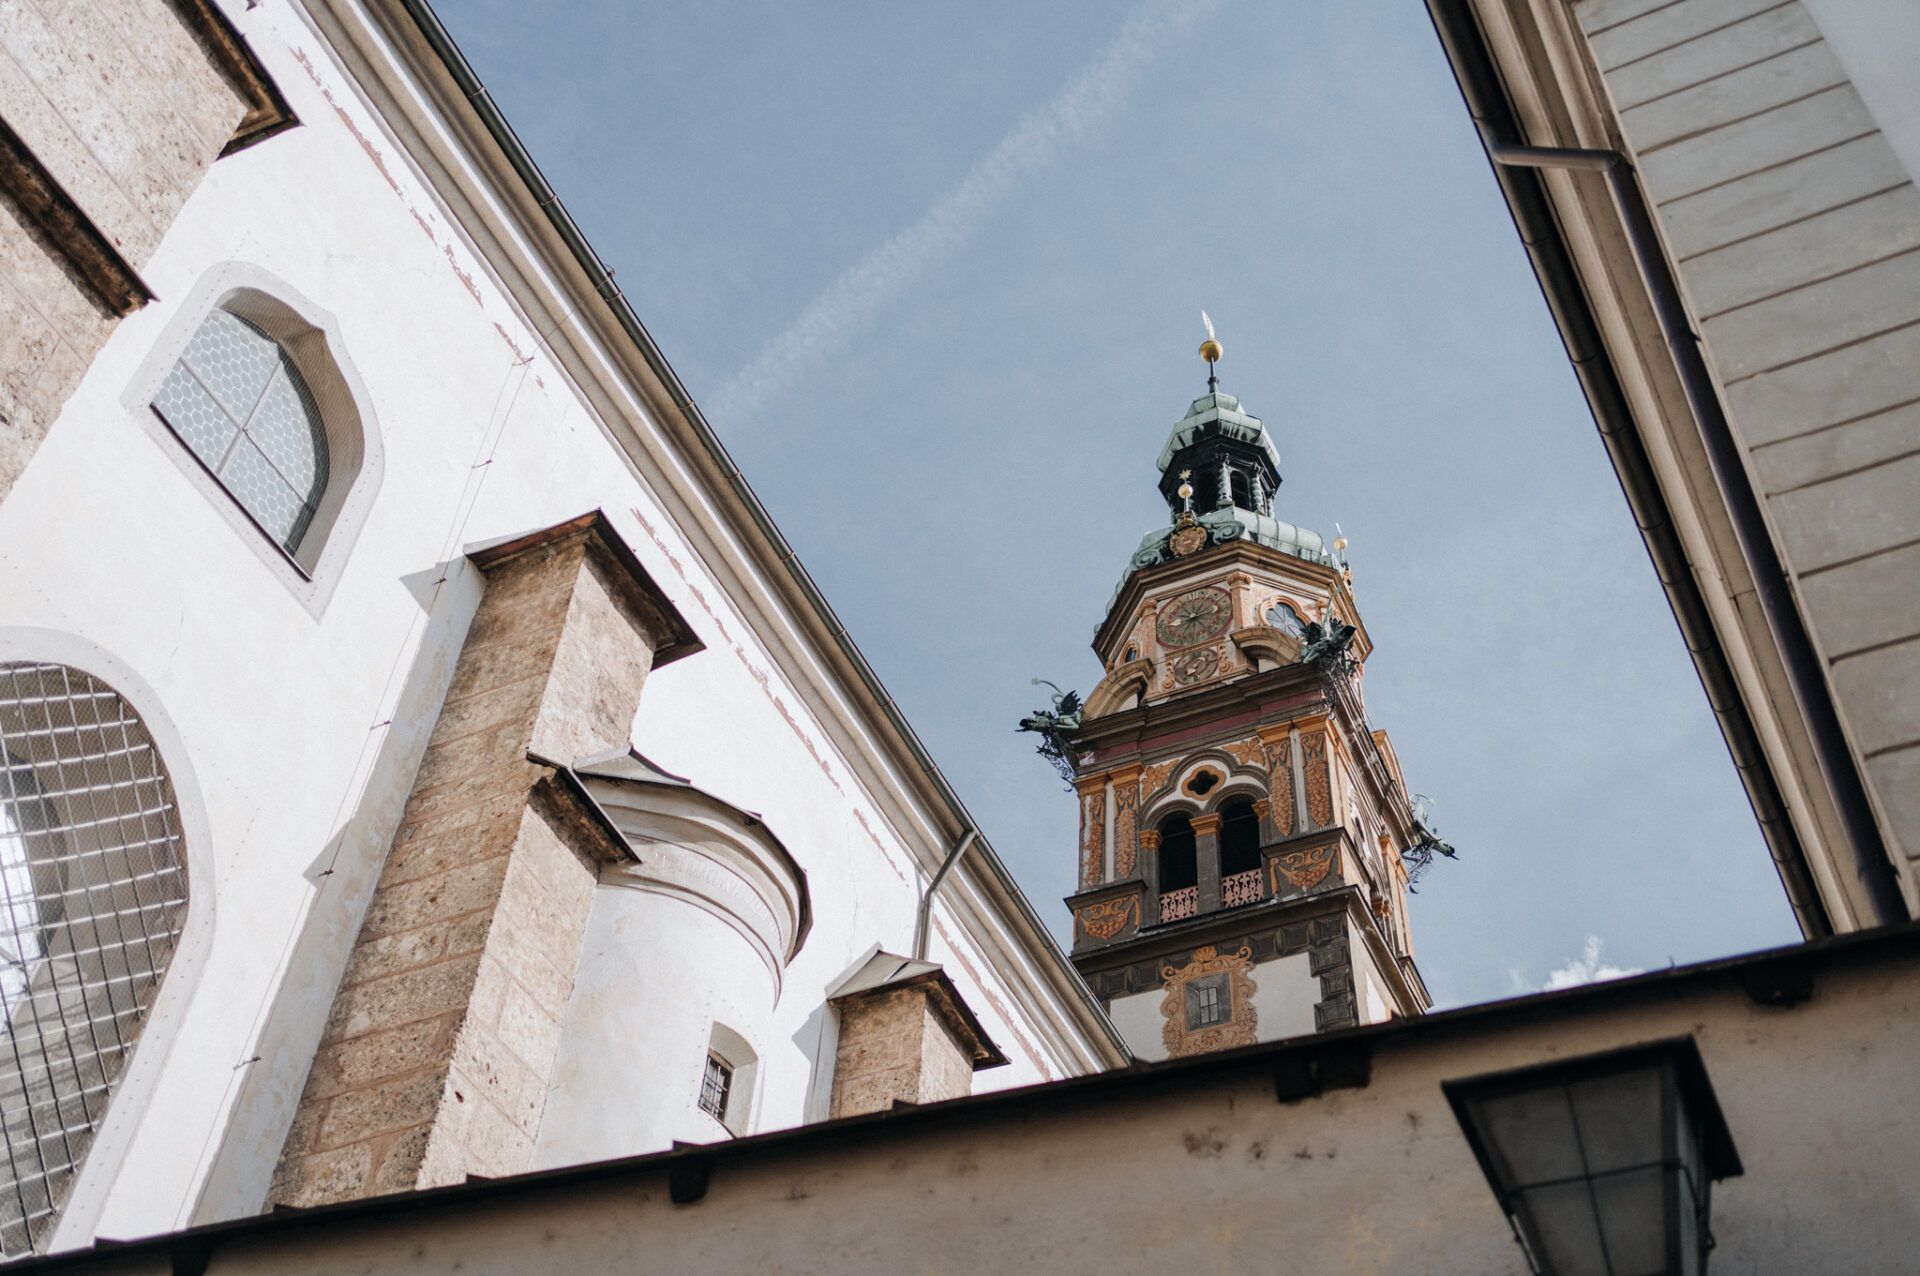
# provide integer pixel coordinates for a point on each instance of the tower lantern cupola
(1224, 454)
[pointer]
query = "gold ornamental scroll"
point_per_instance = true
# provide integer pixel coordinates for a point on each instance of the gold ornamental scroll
(1279, 744)
(1313, 759)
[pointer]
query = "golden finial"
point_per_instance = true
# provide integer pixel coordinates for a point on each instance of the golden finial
(1209, 349)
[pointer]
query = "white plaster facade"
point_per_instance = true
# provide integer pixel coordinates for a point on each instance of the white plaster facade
(497, 394)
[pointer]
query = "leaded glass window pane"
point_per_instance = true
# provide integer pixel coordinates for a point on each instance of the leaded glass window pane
(240, 405)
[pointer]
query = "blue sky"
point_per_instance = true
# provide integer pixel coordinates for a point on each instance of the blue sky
(935, 273)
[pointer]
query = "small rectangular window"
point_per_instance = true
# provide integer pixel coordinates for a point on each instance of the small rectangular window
(1209, 1005)
(715, 1086)
(1209, 1001)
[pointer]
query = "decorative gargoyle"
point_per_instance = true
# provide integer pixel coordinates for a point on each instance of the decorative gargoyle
(1427, 842)
(1055, 727)
(1328, 646)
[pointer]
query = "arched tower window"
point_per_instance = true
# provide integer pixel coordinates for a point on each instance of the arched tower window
(1239, 839)
(238, 401)
(1283, 617)
(93, 895)
(1242, 491)
(1179, 869)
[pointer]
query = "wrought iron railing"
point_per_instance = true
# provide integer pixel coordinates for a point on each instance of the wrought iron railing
(1243, 888)
(1175, 905)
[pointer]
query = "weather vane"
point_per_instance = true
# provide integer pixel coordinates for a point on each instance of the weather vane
(1211, 352)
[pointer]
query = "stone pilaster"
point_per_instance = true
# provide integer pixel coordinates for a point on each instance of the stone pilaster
(1316, 766)
(1280, 819)
(1126, 819)
(1150, 869)
(435, 1061)
(1093, 828)
(1206, 837)
(910, 1039)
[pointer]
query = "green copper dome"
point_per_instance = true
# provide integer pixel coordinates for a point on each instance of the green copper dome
(1223, 411)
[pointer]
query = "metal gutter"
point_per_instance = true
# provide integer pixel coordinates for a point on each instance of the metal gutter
(1560, 284)
(462, 73)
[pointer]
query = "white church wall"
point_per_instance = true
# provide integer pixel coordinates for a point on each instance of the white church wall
(655, 975)
(1139, 1020)
(304, 729)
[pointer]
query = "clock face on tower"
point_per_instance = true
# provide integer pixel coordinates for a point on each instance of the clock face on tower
(1194, 617)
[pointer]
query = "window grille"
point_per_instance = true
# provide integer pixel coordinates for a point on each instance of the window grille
(93, 894)
(241, 406)
(715, 1086)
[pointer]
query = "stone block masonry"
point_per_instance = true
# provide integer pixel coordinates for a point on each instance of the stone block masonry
(894, 1046)
(909, 1038)
(435, 1059)
(107, 126)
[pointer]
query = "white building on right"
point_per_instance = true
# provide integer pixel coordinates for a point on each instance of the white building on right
(1718, 199)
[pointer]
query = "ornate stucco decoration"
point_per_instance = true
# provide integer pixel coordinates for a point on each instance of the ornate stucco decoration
(702, 851)
(1249, 752)
(1155, 777)
(1302, 870)
(1108, 918)
(1126, 808)
(1093, 829)
(1209, 984)
(1313, 757)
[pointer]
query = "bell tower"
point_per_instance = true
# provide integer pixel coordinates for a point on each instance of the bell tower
(1245, 833)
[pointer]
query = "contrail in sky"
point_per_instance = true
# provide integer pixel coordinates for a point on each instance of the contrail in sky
(850, 302)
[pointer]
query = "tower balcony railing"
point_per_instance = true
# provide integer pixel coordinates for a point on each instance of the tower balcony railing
(1175, 905)
(1243, 888)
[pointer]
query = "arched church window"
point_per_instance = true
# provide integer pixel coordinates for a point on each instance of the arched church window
(238, 401)
(1242, 491)
(93, 895)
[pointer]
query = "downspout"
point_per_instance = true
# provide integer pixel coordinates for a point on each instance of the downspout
(1771, 584)
(1561, 288)
(923, 919)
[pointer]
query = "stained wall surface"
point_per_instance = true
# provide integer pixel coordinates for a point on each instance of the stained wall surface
(1779, 143)
(1375, 1178)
